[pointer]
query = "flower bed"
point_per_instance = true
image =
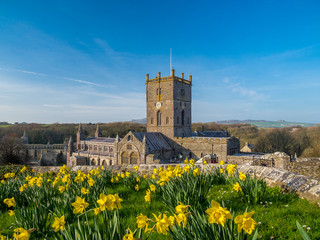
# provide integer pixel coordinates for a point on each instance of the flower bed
(172, 203)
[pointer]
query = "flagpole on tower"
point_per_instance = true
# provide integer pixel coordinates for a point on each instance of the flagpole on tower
(170, 60)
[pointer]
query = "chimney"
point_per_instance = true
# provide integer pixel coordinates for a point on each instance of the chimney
(147, 76)
(159, 74)
(190, 78)
(182, 75)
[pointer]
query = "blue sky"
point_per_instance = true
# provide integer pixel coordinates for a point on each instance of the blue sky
(81, 61)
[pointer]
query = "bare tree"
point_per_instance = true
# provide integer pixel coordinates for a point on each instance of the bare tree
(11, 150)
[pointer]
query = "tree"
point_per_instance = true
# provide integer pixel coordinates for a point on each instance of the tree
(11, 150)
(278, 140)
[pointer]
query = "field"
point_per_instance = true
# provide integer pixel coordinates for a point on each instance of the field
(172, 203)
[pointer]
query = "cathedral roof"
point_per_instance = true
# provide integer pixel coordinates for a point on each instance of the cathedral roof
(155, 140)
(100, 139)
(214, 134)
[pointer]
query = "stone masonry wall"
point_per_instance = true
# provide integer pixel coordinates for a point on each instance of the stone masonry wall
(306, 187)
(306, 166)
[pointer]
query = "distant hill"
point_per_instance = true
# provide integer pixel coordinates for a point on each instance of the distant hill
(267, 124)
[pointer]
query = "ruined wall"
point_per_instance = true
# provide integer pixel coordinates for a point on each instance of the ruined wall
(306, 166)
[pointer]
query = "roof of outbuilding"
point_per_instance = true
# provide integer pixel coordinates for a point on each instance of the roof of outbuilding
(155, 140)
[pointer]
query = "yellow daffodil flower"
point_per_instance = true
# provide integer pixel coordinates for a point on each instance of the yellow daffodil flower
(58, 223)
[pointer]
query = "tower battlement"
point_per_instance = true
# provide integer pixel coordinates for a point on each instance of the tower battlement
(158, 78)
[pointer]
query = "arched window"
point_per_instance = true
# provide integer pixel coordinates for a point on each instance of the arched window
(182, 93)
(167, 120)
(134, 158)
(182, 117)
(129, 138)
(124, 158)
(159, 118)
(93, 162)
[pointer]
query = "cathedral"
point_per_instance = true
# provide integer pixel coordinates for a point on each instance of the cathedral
(168, 138)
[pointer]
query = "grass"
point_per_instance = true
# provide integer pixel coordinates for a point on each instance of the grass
(277, 215)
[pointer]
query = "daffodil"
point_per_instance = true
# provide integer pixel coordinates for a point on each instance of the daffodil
(242, 176)
(79, 205)
(222, 162)
(21, 234)
(23, 169)
(155, 171)
(129, 236)
(96, 211)
(58, 223)
(85, 191)
(245, 222)
(231, 168)
(10, 202)
(11, 213)
(90, 182)
(61, 189)
(127, 174)
(163, 224)
(142, 221)
(138, 179)
(147, 197)
(181, 217)
(181, 208)
(196, 172)
(136, 187)
(218, 214)
(152, 188)
(237, 187)
(221, 170)
(136, 168)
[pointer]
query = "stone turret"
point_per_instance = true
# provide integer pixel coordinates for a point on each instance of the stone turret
(24, 138)
(145, 150)
(98, 132)
(80, 136)
(70, 151)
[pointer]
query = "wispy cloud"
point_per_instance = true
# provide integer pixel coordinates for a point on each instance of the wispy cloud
(244, 91)
(82, 81)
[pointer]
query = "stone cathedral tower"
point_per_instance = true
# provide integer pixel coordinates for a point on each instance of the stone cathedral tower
(169, 105)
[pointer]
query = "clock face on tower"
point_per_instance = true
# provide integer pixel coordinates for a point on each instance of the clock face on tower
(158, 105)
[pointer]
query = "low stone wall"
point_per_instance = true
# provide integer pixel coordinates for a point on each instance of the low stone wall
(306, 187)
(306, 166)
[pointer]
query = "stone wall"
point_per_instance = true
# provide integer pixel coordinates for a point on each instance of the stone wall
(306, 166)
(199, 147)
(306, 187)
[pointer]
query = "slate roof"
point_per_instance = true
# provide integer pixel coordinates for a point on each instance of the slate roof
(155, 140)
(100, 139)
(217, 134)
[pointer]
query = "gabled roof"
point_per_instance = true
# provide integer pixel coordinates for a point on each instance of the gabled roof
(155, 140)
